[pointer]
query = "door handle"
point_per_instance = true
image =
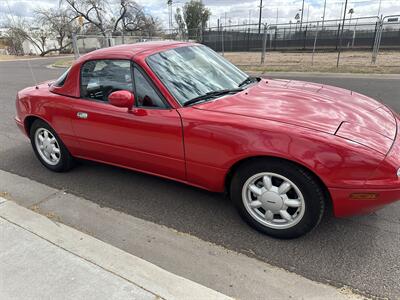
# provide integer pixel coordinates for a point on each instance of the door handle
(81, 115)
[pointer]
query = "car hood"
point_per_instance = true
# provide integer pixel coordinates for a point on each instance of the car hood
(315, 106)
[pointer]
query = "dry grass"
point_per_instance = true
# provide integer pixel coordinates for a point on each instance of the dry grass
(4, 194)
(351, 62)
(63, 63)
(9, 57)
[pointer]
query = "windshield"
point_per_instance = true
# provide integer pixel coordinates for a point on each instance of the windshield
(191, 72)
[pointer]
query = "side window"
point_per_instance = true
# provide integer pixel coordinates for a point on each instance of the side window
(99, 78)
(146, 95)
(61, 80)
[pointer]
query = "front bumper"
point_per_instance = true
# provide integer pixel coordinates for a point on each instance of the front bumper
(345, 206)
(384, 182)
(20, 125)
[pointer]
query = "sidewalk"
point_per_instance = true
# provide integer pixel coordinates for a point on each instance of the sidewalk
(42, 259)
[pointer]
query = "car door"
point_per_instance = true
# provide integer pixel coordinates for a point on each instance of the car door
(147, 138)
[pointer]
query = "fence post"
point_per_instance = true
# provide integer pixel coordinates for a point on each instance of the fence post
(222, 41)
(264, 45)
(378, 39)
(75, 46)
(374, 38)
(305, 38)
(315, 44)
(354, 35)
(248, 39)
(354, 38)
(269, 36)
(109, 39)
(337, 37)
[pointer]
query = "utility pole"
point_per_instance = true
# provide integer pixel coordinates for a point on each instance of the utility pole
(341, 34)
(259, 20)
(323, 16)
(169, 3)
(302, 14)
(277, 16)
(341, 12)
(249, 17)
(379, 9)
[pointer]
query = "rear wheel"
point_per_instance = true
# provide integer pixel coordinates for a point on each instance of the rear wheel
(49, 148)
(277, 197)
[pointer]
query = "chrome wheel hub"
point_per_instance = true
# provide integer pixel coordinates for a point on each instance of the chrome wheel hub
(273, 200)
(47, 146)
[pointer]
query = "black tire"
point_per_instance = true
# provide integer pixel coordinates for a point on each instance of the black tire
(66, 161)
(312, 192)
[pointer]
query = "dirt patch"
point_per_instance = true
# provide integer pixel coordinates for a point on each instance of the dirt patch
(350, 62)
(63, 63)
(9, 57)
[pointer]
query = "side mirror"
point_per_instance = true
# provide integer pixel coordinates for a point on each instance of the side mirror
(122, 99)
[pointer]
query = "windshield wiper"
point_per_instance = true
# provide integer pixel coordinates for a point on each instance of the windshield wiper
(249, 80)
(211, 95)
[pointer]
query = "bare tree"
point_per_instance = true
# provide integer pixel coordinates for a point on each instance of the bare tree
(59, 25)
(93, 11)
(14, 41)
(152, 26)
(111, 16)
(134, 18)
(21, 32)
(49, 26)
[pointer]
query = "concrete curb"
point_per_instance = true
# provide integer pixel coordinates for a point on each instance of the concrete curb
(36, 58)
(133, 269)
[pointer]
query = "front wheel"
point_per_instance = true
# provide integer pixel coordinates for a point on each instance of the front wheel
(49, 148)
(277, 197)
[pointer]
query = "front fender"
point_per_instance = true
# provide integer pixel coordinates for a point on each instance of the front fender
(217, 141)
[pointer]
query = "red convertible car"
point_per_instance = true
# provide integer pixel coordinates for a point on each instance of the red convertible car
(285, 151)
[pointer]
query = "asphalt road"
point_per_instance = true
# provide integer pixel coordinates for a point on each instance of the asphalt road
(361, 252)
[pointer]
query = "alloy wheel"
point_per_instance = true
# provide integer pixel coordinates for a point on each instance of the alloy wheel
(273, 200)
(47, 146)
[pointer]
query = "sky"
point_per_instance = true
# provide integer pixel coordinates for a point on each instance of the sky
(233, 11)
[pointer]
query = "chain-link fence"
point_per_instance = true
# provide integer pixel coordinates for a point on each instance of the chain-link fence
(324, 36)
(280, 46)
